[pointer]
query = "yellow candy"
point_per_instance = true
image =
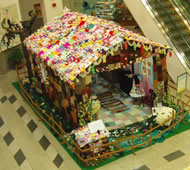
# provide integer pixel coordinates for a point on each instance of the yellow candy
(99, 42)
(72, 78)
(54, 52)
(44, 49)
(127, 38)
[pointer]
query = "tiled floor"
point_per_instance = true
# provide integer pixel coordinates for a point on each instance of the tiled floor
(25, 144)
(135, 113)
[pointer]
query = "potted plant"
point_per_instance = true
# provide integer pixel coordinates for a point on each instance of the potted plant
(15, 58)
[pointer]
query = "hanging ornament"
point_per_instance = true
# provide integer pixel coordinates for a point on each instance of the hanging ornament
(73, 86)
(141, 50)
(93, 70)
(135, 46)
(104, 59)
(111, 52)
(88, 70)
(150, 47)
(126, 45)
(116, 48)
(164, 51)
(138, 45)
(131, 44)
(146, 47)
(160, 51)
(121, 45)
(98, 61)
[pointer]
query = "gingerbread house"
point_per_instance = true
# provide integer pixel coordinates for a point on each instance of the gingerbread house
(68, 51)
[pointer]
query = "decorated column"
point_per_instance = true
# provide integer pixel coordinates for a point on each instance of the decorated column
(51, 9)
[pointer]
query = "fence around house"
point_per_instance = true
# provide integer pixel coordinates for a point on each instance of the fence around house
(57, 127)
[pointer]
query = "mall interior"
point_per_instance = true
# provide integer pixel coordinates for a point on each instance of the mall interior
(94, 84)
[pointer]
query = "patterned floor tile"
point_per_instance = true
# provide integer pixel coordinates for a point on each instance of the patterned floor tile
(1, 121)
(32, 126)
(12, 99)
(174, 155)
(8, 138)
(143, 167)
(3, 99)
(21, 111)
(58, 161)
(44, 142)
(19, 157)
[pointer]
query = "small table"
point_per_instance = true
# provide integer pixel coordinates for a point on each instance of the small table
(83, 136)
(137, 93)
(86, 139)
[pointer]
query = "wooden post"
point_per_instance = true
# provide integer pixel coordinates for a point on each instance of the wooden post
(94, 157)
(53, 124)
(173, 115)
(60, 123)
(177, 101)
(183, 109)
(24, 68)
(151, 134)
(133, 142)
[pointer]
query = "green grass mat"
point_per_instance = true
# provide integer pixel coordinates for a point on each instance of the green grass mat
(178, 129)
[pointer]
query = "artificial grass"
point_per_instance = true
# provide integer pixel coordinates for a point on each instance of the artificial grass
(178, 129)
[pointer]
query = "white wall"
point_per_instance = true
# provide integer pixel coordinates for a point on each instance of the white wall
(26, 6)
(67, 3)
(50, 12)
(152, 31)
(4, 3)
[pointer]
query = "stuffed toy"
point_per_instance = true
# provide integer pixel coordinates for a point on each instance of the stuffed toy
(95, 105)
(163, 115)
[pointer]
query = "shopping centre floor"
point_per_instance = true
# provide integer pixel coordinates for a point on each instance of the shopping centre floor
(26, 144)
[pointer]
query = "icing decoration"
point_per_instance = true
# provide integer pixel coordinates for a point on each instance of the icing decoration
(73, 41)
(135, 46)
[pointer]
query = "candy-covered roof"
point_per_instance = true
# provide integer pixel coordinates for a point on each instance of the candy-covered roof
(72, 42)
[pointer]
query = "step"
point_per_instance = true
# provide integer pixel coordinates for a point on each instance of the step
(170, 12)
(176, 35)
(158, 6)
(173, 18)
(187, 51)
(182, 41)
(176, 27)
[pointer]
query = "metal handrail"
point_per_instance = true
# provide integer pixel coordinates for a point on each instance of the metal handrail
(179, 52)
(183, 9)
(173, 23)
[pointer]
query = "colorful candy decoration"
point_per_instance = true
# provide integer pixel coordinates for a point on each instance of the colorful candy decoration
(72, 42)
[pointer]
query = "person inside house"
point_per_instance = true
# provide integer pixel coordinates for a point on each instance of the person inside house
(126, 80)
